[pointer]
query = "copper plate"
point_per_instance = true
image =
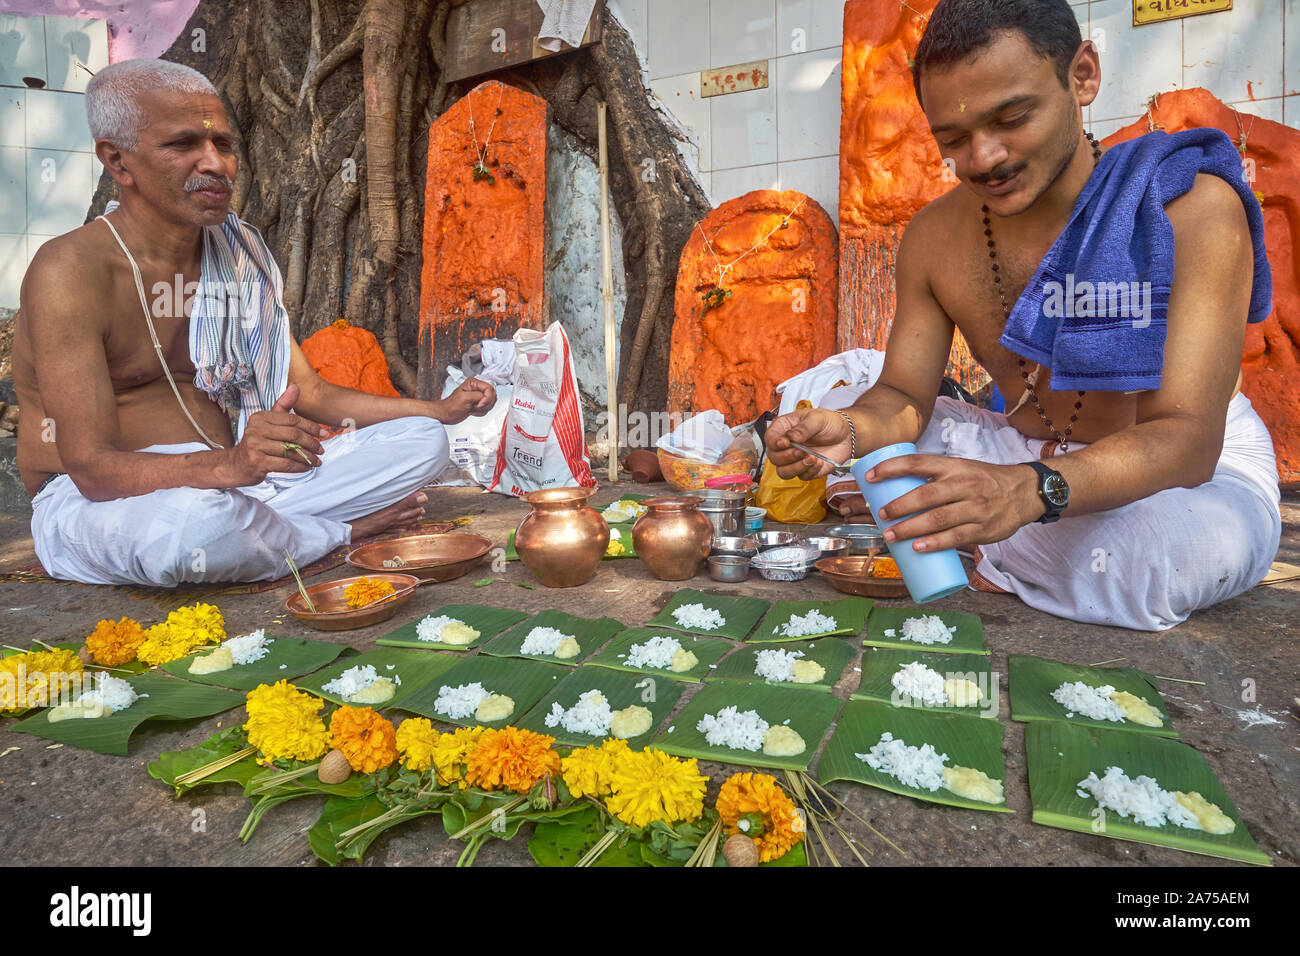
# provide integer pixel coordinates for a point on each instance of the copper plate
(852, 575)
(332, 611)
(428, 557)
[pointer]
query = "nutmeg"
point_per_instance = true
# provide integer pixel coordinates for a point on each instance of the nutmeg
(740, 850)
(334, 768)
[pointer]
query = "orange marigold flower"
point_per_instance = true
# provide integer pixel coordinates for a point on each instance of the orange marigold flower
(114, 643)
(366, 591)
(511, 759)
(368, 740)
(758, 793)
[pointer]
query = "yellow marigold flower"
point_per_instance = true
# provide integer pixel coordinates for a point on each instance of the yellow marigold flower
(587, 771)
(364, 591)
(114, 643)
(449, 753)
(367, 739)
(758, 793)
(651, 785)
(185, 629)
(37, 678)
(511, 759)
(283, 722)
(416, 740)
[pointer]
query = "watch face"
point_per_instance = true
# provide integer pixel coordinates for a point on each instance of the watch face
(1056, 491)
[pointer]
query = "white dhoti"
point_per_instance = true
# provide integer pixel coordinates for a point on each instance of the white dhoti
(189, 535)
(1146, 565)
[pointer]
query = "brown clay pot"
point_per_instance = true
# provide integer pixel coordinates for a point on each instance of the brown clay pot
(673, 537)
(561, 540)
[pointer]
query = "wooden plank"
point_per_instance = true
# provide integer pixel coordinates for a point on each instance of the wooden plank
(488, 35)
(734, 79)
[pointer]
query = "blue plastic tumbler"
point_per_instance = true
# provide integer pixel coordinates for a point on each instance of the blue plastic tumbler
(929, 575)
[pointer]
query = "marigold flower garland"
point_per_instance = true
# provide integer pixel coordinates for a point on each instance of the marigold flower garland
(185, 629)
(114, 643)
(510, 759)
(36, 678)
(367, 740)
(366, 591)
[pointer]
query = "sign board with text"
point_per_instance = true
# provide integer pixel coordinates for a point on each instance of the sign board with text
(1154, 11)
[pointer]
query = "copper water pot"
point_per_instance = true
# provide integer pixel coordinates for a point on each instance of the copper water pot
(561, 540)
(673, 537)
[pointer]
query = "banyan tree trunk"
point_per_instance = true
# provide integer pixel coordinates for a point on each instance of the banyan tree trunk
(332, 100)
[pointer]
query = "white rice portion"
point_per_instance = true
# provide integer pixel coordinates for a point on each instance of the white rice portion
(805, 625)
(741, 730)
(1092, 702)
(697, 617)
(921, 684)
(430, 629)
(460, 702)
(1142, 799)
(590, 715)
(776, 665)
(543, 640)
(657, 653)
(249, 647)
(111, 693)
(928, 629)
(919, 767)
(352, 681)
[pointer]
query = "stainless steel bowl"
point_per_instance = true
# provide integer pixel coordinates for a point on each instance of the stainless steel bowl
(786, 563)
(773, 539)
(729, 569)
(864, 539)
(735, 547)
(830, 547)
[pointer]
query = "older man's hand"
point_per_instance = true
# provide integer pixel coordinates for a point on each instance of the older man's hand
(473, 397)
(276, 440)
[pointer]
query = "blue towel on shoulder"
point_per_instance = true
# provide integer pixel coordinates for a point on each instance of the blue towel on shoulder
(1096, 310)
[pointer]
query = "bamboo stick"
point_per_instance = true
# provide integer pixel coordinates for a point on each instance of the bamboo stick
(607, 293)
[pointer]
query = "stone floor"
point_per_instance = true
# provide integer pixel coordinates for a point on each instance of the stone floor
(67, 806)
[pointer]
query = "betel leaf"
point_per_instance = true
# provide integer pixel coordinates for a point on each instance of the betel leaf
(967, 639)
(1061, 754)
(176, 763)
(1033, 679)
(591, 634)
(707, 650)
(809, 715)
(562, 843)
(341, 814)
(488, 621)
(968, 742)
(832, 653)
(740, 613)
(849, 614)
(879, 666)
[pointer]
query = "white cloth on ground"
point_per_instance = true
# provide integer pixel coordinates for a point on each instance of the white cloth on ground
(1146, 565)
(188, 535)
(564, 20)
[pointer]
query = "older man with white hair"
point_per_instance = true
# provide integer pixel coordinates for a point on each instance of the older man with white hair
(180, 438)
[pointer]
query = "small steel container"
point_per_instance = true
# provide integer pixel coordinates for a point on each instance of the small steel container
(863, 538)
(726, 509)
(735, 547)
(729, 569)
(773, 539)
(830, 547)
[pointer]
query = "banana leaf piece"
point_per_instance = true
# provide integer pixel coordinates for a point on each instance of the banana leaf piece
(414, 668)
(968, 638)
(341, 814)
(176, 763)
(807, 714)
(621, 690)
(488, 621)
(832, 653)
(287, 658)
(1034, 678)
(740, 613)
(526, 682)
(1061, 754)
(709, 650)
(168, 699)
(968, 742)
(879, 666)
(849, 613)
(590, 635)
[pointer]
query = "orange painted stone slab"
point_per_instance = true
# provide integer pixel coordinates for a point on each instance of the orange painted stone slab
(1270, 361)
(780, 318)
(483, 270)
(889, 168)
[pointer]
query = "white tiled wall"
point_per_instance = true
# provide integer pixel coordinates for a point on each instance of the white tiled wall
(788, 136)
(48, 169)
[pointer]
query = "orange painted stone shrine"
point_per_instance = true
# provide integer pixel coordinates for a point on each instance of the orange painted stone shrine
(1270, 362)
(482, 275)
(780, 317)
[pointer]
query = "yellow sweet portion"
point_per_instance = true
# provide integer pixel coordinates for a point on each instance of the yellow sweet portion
(962, 692)
(567, 648)
(806, 672)
(1136, 709)
(615, 547)
(74, 711)
(381, 690)
(458, 633)
(782, 741)
(1211, 818)
(630, 722)
(496, 707)
(973, 784)
(219, 660)
(683, 660)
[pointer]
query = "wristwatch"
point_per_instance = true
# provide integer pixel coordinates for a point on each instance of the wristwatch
(1053, 489)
